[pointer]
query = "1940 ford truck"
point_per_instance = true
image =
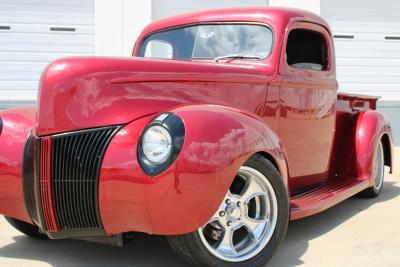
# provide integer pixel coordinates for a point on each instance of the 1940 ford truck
(222, 127)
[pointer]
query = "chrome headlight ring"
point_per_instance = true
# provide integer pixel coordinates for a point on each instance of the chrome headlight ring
(160, 143)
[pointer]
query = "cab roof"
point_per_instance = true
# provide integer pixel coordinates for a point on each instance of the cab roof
(278, 18)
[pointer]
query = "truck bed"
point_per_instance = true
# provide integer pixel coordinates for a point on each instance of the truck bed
(342, 180)
(348, 107)
(354, 102)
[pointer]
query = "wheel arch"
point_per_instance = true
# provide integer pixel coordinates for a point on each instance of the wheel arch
(218, 140)
(271, 148)
(268, 156)
(387, 151)
(16, 126)
(372, 127)
(282, 169)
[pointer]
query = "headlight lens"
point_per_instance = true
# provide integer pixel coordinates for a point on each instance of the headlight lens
(157, 144)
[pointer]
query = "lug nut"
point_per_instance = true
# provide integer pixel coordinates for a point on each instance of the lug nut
(229, 223)
(222, 213)
(228, 201)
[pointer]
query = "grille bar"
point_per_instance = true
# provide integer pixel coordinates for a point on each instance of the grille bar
(75, 165)
(45, 185)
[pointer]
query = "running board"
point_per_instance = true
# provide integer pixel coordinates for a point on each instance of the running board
(324, 197)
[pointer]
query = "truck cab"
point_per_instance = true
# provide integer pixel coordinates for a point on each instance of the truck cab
(222, 127)
(294, 52)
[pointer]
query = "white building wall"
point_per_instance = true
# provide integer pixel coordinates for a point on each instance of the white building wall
(34, 34)
(310, 5)
(163, 8)
(118, 23)
(108, 27)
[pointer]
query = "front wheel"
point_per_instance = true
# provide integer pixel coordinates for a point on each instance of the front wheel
(248, 226)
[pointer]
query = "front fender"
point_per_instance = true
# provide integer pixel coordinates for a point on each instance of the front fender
(218, 141)
(371, 127)
(17, 123)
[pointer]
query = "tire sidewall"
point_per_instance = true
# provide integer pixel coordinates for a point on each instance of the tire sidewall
(269, 171)
(374, 188)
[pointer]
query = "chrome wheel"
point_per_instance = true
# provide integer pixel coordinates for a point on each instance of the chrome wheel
(246, 219)
(378, 171)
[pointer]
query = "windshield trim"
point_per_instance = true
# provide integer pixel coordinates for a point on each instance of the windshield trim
(143, 40)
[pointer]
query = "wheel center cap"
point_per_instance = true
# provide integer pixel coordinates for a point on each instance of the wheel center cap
(234, 212)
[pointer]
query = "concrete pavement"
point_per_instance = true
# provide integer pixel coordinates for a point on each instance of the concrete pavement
(357, 233)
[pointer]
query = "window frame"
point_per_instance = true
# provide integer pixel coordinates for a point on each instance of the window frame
(144, 39)
(286, 69)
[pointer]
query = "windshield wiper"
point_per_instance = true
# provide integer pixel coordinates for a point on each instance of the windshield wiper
(236, 56)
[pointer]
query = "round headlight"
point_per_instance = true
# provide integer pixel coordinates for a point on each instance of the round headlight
(157, 144)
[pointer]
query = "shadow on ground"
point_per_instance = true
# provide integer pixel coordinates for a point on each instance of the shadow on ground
(155, 251)
(302, 231)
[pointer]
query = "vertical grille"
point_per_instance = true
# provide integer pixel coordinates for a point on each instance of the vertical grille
(75, 165)
(45, 185)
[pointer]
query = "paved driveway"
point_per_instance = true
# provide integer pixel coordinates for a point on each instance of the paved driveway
(358, 232)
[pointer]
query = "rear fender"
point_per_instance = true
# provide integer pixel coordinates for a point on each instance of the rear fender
(218, 141)
(371, 127)
(17, 123)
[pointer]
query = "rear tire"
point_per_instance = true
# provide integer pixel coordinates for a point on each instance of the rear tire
(248, 227)
(26, 228)
(378, 172)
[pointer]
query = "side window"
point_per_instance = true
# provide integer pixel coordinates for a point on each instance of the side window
(159, 49)
(306, 49)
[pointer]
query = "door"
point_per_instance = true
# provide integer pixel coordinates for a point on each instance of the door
(307, 100)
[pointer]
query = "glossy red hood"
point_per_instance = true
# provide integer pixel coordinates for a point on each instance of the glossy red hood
(80, 93)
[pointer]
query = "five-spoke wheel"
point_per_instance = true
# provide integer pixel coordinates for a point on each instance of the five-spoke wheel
(246, 219)
(249, 224)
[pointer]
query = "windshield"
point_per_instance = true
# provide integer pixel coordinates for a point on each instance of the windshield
(242, 41)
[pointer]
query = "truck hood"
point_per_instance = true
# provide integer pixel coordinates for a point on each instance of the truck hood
(88, 92)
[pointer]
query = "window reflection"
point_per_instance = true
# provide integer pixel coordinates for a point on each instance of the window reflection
(209, 42)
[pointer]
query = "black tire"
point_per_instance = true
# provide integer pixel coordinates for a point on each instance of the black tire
(26, 228)
(378, 162)
(191, 248)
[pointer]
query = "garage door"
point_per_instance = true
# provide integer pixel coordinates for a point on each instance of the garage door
(162, 8)
(33, 33)
(367, 40)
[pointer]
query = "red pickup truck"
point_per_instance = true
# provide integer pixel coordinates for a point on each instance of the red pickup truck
(222, 127)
